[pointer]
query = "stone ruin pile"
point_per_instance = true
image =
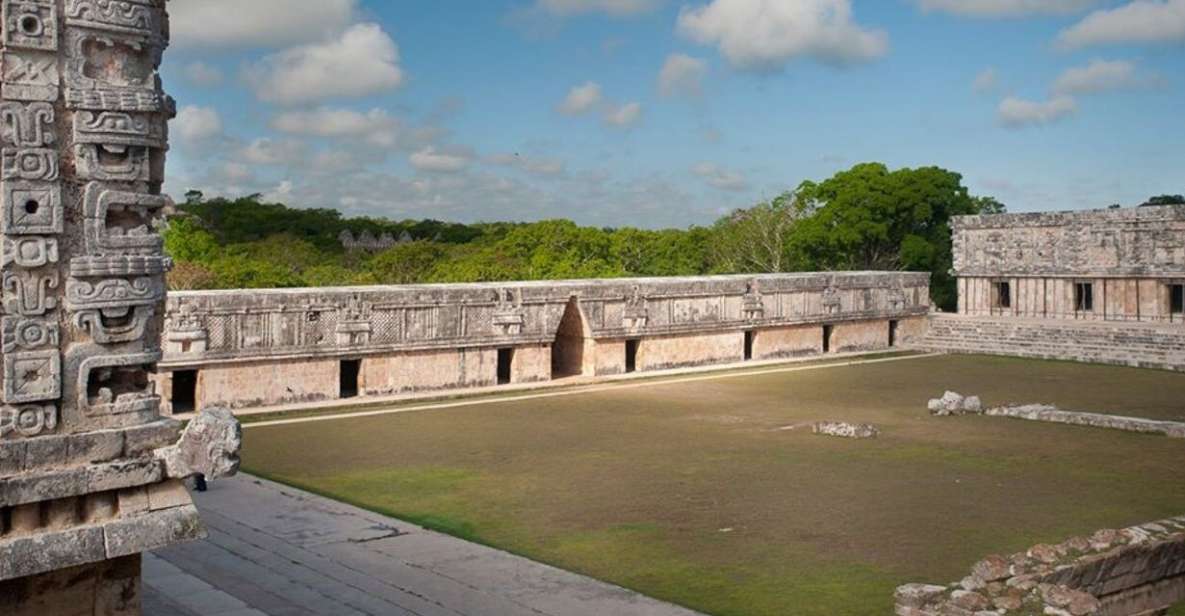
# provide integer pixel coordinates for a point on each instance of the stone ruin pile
(952, 403)
(90, 474)
(845, 430)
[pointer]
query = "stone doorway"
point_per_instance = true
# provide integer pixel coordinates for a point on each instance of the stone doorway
(184, 398)
(567, 352)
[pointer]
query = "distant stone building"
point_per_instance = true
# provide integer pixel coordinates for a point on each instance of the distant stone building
(368, 242)
(1101, 285)
(280, 346)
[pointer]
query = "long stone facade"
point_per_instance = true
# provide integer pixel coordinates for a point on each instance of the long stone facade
(90, 473)
(272, 347)
(1104, 286)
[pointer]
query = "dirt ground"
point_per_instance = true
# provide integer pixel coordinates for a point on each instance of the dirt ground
(713, 495)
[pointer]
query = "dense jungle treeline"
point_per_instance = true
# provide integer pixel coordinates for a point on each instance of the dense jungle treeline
(865, 218)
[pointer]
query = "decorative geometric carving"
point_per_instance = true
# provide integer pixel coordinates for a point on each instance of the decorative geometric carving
(112, 71)
(28, 252)
(21, 334)
(117, 384)
(115, 325)
(32, 376)
(28, 421)
(832, 303)
(118, 222)
(113, 163)
(129, 16)
(31, 24)
(354, 329)
(27, 125)
(113, 292)
(509, 316)
(118, 128)
(897, 299)
(119, 266)
(187, 333)
(637, 310)
(753, 304)
(32, 208)
(30, 76)
(29, 293)
(40, 164)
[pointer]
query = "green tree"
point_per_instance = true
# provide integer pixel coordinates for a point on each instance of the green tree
(406, 263)
(1166, 200)
(759, 239)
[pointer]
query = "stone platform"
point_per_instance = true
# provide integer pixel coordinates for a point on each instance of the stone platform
(277, 551)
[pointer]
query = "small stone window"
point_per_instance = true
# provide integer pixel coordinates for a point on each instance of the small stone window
(1177, 299)
(1003, 295)
(1084, 297)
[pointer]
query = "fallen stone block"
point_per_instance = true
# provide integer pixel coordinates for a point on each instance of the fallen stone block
(846, 430)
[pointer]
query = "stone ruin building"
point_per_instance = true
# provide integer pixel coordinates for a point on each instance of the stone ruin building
(1102, 286)
(284, 346)
(90, 473)
(368, 242)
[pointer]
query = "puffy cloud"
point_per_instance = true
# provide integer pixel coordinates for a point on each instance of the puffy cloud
(682, 75)
(529, 164)
(266, 151)
(364, 60)
(256, 23)
(202, 75)
(197, 123)
(1100, 76)
(763, 35)
(433, 160)
(1006, 8)
(1141, 21)
(986, 81)
(582, 99)
(718, 177)
(1016, 112)
(610, 7)
(623, 116)
(375, 126)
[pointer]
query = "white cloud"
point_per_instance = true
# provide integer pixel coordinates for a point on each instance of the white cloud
(256, 23)
(529, 164)
(375, 126)
(624, 116)
(1006, 8)
(433, 160)
(986, 81)
(197, 123)
(582, 99)
(1017, 112)
(610, 7)
(202, 75)
(1141, 21)
(1100, 76)
(362, 61)
(682, 75)
(764, 35)
(273, 152)
(720, 178)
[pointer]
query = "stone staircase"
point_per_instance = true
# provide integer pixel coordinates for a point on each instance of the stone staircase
(1143, 345)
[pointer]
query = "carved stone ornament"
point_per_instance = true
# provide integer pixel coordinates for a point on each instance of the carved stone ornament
(637, 310)
(832, 303)
(113, 71)
(27, 421)
(509, 316)
(28, 252)
(24, 334)
(32, 208)
(117, 384)
(30, 164)
(31, 24)
(115, 325)
(113, 292)
(209, 446)
(125, 16)
(30, 76)
(118, 222)
(753, 303)
(30, 293)
(26, 125)
(32, 376)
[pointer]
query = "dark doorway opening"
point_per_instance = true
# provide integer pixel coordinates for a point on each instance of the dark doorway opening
(567, 352)
(348, 379)
(827, 331)
(631, 355)
(505, 366)
(750, 337)
(893, 325)
(1084, 297)
(184, 391)
(1177, 299)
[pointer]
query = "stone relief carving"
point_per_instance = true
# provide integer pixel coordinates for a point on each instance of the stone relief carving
(113, 292)
(31, 24)
(832, 302)
(115, 325)
(637, 310)
(128, 16)
(30, 76)
(186, 333)
(117, 384)
(354, 329)
(30, 293)
(32, 376)
(28, 252)
(32, 208)
(112, 71)
(33, 164)
(897, 299)
(509, 316)
(753, 303)
(23, 334)
(118, 222)
(210, 445)
(28, 421)
(27, 125)
(119, 266)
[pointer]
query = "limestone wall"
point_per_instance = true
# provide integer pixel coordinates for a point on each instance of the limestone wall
(427, 337)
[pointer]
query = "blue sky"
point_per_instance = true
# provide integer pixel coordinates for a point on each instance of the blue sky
(661, 113)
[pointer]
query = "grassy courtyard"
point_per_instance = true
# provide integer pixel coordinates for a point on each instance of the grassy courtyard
(701, 492)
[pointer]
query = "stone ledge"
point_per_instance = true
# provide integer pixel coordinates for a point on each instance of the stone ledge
(51, 485)
(70, 450)
(1052, 414)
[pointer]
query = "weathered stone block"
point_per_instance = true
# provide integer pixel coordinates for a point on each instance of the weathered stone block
(154, 530)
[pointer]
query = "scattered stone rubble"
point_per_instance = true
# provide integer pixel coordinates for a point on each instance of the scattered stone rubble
(846, 430)
(1135, 570)
(952, 403)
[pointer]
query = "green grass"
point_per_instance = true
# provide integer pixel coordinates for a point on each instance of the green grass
(693, 492)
